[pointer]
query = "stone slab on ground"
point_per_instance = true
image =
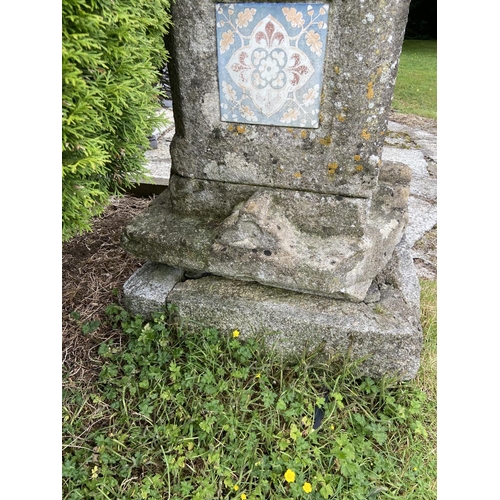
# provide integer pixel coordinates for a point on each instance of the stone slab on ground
(158, 160)
(386, 334)
(425, 140)
(147, 289)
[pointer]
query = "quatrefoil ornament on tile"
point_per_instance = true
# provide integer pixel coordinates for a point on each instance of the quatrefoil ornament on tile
(270, 72)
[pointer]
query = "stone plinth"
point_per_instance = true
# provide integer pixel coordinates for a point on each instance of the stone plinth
(278, 189)
(297, 240)
(383, 334)
(147, 289)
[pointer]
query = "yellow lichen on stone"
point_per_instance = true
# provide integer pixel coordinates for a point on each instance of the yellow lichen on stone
(369, 91)
(359, 168)
(357, 157)
(298, 175)
(230, 128)
(365, 134)
(332, 167)
(337, 70)
(303, 134)
(341, 118)
(326, 141)
(241, 129)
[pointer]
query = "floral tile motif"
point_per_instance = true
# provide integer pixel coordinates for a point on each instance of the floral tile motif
(270, 62)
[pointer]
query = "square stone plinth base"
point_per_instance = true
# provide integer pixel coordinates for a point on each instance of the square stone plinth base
(383, 333)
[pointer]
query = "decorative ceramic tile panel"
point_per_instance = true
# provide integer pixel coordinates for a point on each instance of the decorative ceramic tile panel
(270, 62)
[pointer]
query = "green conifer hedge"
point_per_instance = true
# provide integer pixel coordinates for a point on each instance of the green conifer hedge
(112, 54)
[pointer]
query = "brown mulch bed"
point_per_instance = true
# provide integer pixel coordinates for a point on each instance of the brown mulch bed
(94, 269)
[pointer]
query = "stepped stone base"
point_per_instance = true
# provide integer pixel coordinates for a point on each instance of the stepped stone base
(383, 332)
(301, 241)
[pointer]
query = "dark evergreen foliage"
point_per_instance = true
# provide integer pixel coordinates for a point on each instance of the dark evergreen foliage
(112, 55)
(422, 20)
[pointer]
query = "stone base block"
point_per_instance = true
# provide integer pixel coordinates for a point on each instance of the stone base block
(146, 290)
(305, 242)
(386, 335)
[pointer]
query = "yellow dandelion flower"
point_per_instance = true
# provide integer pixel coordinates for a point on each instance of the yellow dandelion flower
(236, 487)
(236, 333)
(289, 476)
(243, 496)
(307, 487)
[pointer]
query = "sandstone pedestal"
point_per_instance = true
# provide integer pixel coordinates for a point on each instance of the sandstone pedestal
(280, 214)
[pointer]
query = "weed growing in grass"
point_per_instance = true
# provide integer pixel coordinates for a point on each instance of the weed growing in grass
(205, 415)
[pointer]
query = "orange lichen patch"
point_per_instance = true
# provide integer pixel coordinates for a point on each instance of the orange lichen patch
(359, 168)
(303, 134)
(298, 175)
(241, 129)
(230, 128)
(332, 167)
(369, 91)
(326, 141)
(365, 134)
(357, 157)
(341, 118)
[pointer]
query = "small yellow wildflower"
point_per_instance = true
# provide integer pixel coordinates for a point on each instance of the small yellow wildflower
(258, 375)
(236, 487)
(236, 333)
(243, 496)
(332, 427)
(289, 476)
(307, 487)
(94, 472)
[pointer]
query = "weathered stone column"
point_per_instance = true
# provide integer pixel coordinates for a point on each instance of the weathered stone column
(278, 190)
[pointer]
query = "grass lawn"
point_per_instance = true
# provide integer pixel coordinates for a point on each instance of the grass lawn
(416, 84)
(205, 416)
